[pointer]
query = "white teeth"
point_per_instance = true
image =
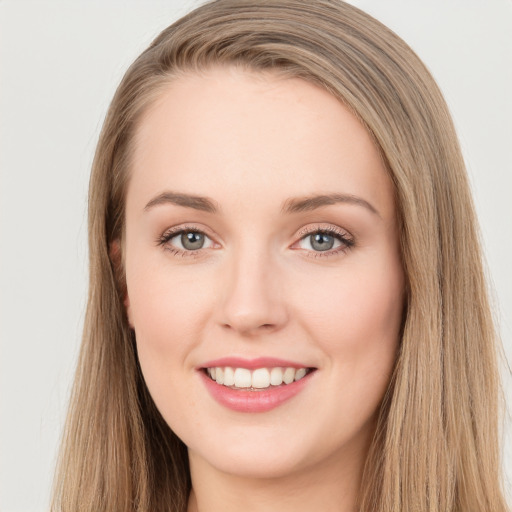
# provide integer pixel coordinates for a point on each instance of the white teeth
(229, 376)
(276, 376)
(289, 375)
(243, 378)
(260, 378)
(301, 372)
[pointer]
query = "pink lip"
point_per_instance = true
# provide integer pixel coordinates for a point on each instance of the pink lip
(253, 401)
(251, 364)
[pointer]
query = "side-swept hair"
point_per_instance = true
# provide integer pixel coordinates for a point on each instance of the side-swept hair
(436, 444)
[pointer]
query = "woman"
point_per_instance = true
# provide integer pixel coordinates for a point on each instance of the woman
(287, 306)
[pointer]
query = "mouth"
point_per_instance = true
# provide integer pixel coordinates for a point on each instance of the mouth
(257, 385)
(257, 379)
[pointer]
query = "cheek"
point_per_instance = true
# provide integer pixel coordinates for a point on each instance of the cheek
(357, 326)
(357, 320)
(166, 308)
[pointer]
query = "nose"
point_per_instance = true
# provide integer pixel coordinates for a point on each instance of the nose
(253, 301)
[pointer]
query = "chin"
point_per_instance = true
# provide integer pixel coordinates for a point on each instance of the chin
(265, 464)
(276, 453)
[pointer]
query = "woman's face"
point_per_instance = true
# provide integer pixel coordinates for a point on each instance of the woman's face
(261, 235)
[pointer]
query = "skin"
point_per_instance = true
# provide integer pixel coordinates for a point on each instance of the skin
(250, 142)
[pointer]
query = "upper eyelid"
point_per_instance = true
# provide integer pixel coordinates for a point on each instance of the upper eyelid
(325, 228)
(304, 231)
(176, 230)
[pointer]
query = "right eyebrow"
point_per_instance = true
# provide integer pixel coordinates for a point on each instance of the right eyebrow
(188, 201)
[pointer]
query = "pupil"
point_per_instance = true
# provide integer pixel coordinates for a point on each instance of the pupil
(322, 242)
(192, 241)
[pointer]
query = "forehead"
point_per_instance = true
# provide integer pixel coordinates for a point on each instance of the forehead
(257, 135)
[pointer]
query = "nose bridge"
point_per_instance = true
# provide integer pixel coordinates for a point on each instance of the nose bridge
(253, 297)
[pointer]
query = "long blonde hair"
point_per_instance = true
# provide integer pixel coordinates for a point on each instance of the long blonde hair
(436, 444)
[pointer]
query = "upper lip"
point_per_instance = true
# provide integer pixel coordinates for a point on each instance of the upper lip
(251, 364)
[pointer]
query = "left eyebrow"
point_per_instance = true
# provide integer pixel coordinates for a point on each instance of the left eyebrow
(306, 204)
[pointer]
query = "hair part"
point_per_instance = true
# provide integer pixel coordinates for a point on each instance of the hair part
(436, 446)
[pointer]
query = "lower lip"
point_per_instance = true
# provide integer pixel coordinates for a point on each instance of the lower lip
(254, 401)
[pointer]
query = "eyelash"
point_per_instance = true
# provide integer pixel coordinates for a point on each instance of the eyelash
(347, 242)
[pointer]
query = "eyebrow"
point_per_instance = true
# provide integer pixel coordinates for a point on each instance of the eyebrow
(188, 201)
(293, 205)
(306, 204)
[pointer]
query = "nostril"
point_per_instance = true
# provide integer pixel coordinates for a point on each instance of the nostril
(248, 327)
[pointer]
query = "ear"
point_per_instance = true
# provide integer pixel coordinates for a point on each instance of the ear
(116, 259)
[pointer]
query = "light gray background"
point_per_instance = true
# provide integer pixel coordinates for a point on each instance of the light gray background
(60, 62)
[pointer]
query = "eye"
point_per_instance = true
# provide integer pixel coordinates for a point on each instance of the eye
(190, 240)
(185, 240)
(325, 240)
(320, 242)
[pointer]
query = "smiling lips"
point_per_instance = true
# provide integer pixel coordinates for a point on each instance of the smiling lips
(254, 386)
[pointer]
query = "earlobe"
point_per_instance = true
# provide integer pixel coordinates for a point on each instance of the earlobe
(116, 260)
(127, 308)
